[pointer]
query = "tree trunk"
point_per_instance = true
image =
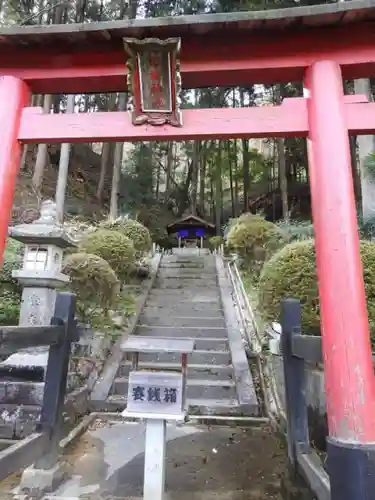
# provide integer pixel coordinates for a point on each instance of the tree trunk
(235, 173)
(245, 162)
(105, 157)
(202, 179)
(231, 178)
(169, 170)
(283, 179)
(25, 148)
(355, 169)
(365, 147)
(119, 148)
(218, 196)
(41, 157)
(185, 190)
(157, 185)
(194, 180)
(62, 178)
(246, 174)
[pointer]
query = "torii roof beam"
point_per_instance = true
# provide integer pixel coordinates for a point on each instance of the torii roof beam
(260, 47)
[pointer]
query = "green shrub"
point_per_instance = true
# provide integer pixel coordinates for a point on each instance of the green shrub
(92, 279)
(112, 246)
(296, 231)
(10, 290)
(249, 217)
(366, 228)
(156, 218)
(215, 242)
(10, 303)
(137, 232)
(291, 273)
(168, 241)
(254, 239)
(13, 255)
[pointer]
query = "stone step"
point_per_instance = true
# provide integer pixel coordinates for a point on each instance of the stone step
(203, 344)
(182, 265)
(199, 356)
(191, 257)
(197, 310)
(192, 297)
(182, 284)
(218, 372)
(21, 392)
(206, 388)
(167, 318)
(197, 267)
(178, 332)
(187, 273)
(184, 303)
(187, 292)
(182, 290)
(197, 263)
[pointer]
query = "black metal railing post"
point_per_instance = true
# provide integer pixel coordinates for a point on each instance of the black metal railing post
(294, 381)
(42, 447)
(51, 417)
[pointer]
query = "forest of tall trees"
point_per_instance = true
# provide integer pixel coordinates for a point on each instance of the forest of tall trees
(158, 182)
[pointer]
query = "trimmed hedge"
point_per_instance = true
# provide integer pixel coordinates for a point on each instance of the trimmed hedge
(215, 242)
(112, 246)
(291, 272)
(253, 238)
(137, 232)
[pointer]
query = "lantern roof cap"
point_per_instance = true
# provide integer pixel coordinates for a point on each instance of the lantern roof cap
(43, 231)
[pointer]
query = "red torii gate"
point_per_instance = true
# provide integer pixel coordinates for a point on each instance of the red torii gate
(320, 46)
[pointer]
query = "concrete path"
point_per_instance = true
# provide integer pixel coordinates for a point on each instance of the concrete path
(205, 463)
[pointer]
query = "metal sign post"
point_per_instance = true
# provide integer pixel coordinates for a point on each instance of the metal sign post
(158, 397)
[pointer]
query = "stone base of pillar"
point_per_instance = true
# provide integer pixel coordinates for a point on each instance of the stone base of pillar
(38, 482)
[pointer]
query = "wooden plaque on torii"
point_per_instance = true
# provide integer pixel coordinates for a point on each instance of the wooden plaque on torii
(154, 81)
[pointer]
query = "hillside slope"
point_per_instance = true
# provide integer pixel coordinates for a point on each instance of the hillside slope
(84, 174)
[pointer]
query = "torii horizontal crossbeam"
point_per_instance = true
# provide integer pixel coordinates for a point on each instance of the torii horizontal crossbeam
(288, 120)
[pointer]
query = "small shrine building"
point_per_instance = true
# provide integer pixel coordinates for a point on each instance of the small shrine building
(191, 231)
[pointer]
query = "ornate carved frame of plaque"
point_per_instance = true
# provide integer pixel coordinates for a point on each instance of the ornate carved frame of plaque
(154, 81)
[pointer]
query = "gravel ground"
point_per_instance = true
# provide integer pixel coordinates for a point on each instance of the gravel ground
(203, 463)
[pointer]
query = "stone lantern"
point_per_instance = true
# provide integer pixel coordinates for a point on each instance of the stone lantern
(44, 241)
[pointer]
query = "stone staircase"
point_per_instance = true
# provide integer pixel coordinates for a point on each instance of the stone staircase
(191, 299)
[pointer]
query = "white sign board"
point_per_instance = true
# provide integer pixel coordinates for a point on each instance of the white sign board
(155, 393)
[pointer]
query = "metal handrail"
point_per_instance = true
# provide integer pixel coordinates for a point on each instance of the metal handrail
(255, 339)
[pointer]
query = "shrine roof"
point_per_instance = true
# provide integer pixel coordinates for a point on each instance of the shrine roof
(190, 220)
(107, 33)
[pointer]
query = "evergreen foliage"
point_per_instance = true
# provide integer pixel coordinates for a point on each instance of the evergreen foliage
(291, 272)
(112, 246)
(92, 279)
(132, 229)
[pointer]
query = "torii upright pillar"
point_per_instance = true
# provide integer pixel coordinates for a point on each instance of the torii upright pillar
(14, 96)
(348, 366)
